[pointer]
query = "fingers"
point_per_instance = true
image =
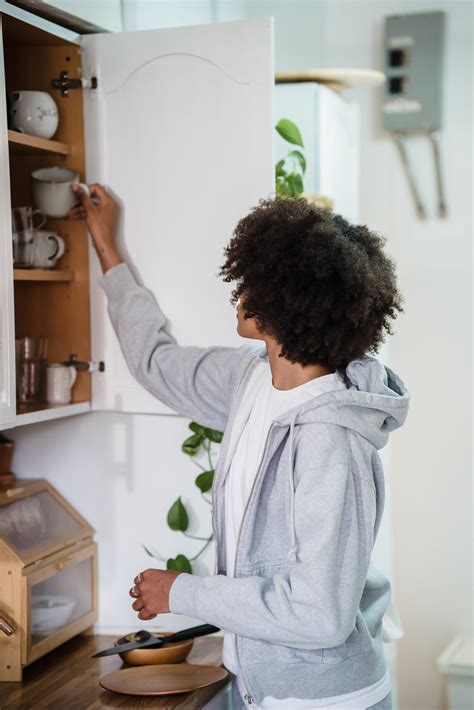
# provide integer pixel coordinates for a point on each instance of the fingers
(77, 212)
(97, 190)
(144, 616)
(86, 204)
(135, 592)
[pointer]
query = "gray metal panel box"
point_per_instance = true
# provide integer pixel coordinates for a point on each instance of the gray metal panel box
(413, 64)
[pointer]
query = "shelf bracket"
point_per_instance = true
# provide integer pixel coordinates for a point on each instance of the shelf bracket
(65, 83)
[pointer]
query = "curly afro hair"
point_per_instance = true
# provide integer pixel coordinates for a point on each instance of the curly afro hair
(323, 288)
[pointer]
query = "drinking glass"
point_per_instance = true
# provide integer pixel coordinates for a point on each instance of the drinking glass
(31, 383)
(23, 235)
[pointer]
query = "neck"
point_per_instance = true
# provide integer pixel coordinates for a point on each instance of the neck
(286, 374)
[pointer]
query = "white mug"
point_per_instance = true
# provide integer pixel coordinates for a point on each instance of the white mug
(47, 249)
(52, 190)
(59, 382)
(34, 112)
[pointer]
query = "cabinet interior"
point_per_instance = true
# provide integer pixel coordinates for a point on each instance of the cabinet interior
(54, 304)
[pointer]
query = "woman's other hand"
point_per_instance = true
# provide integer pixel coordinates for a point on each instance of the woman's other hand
(151, 591)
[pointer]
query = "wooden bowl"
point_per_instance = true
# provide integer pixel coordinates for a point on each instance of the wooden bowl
(171, 653)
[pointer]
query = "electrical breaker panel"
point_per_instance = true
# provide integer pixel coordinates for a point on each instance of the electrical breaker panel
(413, 65)
(413, 91)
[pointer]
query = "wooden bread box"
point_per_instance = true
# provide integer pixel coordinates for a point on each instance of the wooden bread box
(48, 574)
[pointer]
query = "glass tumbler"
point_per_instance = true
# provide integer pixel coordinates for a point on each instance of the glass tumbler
(23, 235)
(31, 383)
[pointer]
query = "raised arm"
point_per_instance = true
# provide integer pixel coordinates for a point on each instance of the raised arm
(196, 382)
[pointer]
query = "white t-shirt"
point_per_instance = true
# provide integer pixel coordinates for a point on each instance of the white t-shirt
(260, 405)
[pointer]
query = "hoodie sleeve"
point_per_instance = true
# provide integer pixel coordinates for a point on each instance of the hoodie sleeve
(313, 605)
(196, 382)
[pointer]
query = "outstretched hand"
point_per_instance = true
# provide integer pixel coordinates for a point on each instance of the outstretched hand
(101, 212)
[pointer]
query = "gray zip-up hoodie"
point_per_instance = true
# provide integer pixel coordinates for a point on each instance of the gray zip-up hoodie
(305, 605)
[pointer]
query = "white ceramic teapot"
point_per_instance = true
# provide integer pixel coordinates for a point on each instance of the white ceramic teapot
(34, 112)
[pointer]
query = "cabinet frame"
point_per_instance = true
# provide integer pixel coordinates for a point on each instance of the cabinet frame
(7, 317)
(57, 303)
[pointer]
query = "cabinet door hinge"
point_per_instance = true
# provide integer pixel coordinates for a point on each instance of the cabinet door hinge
(65, 83)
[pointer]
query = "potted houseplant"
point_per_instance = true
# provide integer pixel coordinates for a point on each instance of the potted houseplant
(291, 169)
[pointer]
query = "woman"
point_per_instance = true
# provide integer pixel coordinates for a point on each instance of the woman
(299, 487)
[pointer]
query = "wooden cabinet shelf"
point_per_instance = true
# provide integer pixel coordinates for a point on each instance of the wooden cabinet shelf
(24, 143)
(42, 275)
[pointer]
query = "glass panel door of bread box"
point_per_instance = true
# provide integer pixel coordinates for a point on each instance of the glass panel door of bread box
(60, 597)
(48, 574)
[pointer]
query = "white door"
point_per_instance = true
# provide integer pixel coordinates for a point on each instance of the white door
(180, 129)
(7, 331)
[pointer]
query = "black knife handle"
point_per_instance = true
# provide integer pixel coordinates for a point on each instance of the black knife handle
(192, 633)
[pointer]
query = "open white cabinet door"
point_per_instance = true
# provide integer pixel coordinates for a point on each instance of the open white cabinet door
(180, 130)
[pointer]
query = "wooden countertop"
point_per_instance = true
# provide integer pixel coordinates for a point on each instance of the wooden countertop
(68, 679)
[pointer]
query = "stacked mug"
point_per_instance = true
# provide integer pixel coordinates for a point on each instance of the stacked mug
(33, 247)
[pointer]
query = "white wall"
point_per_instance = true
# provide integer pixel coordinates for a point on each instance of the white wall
(152, 14)
(103, 13)
(431, 456)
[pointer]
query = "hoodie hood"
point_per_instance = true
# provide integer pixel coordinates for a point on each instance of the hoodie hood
(374, 403)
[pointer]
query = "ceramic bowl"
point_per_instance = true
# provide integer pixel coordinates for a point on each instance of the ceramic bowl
(50, 612)
(173, 653)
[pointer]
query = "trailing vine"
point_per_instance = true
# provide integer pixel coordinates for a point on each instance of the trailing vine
(201, 441)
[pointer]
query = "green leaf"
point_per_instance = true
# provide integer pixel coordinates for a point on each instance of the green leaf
(178, 516)
(281, 187)
(295, 184)
(180, 563)
(197, 428)
(300, 158)
(204, 481)
(289, 131)
(279, 171)
(192, 444)
(213, 435)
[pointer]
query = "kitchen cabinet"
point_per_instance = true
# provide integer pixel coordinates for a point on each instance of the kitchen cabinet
(179, 128)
